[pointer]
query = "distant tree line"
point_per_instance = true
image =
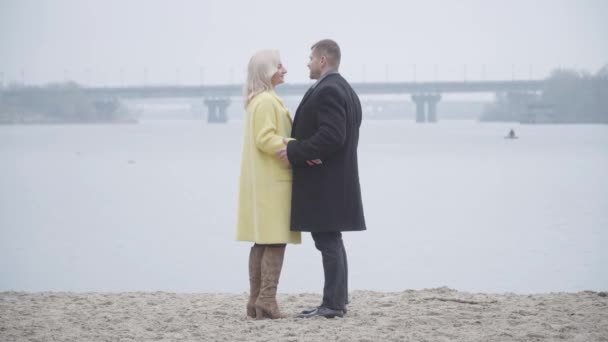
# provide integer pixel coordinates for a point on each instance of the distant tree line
(568, 96)
(58, 103)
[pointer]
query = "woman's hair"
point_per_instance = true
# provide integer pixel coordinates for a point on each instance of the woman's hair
(262, 66)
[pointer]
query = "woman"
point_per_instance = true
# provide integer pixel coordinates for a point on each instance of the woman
(265, 183)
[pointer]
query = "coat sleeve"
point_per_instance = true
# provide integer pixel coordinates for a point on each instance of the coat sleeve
(265, 128)
(330, 135)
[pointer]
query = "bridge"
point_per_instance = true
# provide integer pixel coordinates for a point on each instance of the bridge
(425, 95)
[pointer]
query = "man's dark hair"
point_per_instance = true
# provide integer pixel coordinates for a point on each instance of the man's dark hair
(329, 49)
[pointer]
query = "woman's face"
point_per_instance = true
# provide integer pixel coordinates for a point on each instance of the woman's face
(279, 76)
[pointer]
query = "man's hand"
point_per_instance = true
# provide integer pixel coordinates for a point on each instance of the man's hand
(282, 155)
(314, 162)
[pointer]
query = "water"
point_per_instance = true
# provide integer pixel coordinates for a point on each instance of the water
(152, 207)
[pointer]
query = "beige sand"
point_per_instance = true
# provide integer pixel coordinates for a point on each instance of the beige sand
(428, 315)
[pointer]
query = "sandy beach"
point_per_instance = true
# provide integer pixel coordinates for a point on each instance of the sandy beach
(440, 314)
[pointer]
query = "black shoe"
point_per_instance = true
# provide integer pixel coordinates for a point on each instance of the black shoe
(324, 312)
(311, 310)
(308, 311)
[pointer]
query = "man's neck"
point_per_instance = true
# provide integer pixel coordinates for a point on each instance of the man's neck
(328, 71)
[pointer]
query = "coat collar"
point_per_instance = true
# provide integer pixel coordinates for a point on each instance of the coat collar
(276, 97)
(324, 76)
(314, 86)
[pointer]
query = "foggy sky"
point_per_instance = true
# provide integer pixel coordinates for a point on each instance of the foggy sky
(188, 42)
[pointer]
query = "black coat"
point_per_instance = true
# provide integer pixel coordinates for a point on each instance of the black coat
(326, 197)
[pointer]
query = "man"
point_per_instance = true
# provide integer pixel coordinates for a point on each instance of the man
(326, 195)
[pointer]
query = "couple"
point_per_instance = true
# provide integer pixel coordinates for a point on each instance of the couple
(299, 177)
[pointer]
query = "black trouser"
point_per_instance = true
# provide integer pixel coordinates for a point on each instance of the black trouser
(335, 268)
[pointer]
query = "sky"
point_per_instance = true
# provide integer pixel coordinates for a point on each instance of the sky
(120, 42)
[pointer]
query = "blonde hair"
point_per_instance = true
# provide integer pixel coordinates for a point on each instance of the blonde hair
(262, 66)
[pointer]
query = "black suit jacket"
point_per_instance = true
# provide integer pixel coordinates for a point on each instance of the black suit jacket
(326, 197)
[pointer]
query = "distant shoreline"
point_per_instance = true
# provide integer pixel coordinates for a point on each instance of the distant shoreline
(32, 123)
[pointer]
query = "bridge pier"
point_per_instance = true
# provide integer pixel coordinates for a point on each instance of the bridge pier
(216, 110)
(419, 100)
(430, 102)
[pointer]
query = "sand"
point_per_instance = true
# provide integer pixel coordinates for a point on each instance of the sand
(440, 314)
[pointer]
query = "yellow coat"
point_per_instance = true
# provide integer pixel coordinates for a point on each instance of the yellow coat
(265, 184)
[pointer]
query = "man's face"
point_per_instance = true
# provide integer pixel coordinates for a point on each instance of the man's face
(315, 65)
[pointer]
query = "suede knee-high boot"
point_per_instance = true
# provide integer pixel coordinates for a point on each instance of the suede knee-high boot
(255, 277)
(272, 263)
